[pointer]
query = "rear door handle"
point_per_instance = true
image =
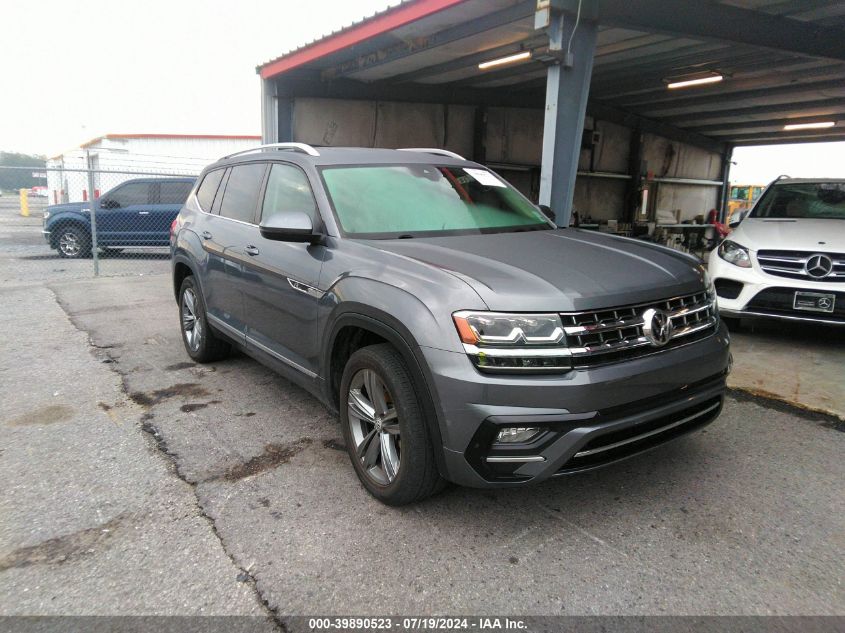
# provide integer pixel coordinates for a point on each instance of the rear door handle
(251, 250)
(206, 235)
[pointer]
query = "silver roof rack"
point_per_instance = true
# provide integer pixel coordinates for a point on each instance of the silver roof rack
(432, 150)
(297, 147)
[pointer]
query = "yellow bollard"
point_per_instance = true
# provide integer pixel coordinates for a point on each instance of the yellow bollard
(25, 203)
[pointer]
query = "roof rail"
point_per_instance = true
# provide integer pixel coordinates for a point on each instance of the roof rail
(432, 150)
(782, 176)
(297, 147)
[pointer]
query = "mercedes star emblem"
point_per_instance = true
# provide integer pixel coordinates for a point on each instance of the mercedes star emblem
(657, 327)
(819, 266)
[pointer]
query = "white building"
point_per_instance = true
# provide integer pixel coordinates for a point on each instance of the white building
(120, 157)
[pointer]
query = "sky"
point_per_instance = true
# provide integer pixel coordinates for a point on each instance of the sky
(74, 70)
(78, 69)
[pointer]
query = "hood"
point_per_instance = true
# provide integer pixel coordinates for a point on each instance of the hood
(797, 234)
(560, 270)
(77, 207)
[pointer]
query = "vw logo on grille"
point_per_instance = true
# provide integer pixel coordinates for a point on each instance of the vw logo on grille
(657, 327)
(819, 266)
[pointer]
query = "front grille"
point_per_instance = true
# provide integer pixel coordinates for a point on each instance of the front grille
(780, 302)
(617, 334)
(616, 445)
(793, 264)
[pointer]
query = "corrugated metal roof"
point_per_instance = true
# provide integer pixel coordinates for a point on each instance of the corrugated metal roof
(799, 75)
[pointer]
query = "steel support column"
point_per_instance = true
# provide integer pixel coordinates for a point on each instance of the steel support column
(725, 189)
(567, 89)
(269, 114)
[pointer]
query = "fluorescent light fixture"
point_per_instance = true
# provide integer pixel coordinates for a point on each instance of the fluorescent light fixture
(809, 126)
(510, 59)
(700, 81)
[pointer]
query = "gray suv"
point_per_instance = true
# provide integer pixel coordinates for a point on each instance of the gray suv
(460, 335)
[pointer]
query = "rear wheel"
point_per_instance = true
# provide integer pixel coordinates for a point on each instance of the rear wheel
(73, 243)
(384, 427)
(201, 343)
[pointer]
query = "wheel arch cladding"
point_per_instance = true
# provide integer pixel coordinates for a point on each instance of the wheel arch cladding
(357, 325)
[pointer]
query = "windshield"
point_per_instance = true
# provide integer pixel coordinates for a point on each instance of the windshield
(803, 200)
(424, 200)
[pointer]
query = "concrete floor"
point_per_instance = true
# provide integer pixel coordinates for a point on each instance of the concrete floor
(138, 482)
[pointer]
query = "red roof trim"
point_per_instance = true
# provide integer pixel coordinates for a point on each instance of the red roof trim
(228, 137)
(391, 19)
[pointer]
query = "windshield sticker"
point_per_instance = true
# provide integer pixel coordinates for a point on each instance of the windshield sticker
(485, 177)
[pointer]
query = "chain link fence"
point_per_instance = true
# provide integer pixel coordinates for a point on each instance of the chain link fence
(94, 222)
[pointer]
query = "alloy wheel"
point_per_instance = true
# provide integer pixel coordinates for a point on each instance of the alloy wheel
(69, 244)
(191, 323)
(374, 426)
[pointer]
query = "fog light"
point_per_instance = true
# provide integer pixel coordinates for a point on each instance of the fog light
(516, 434)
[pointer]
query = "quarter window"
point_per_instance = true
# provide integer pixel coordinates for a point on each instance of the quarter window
(242, 189)
(208, 189)
(288, 190)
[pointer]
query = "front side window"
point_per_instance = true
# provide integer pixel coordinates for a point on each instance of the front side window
(426, 200)
(130, 194)
(287, 190)
(174, 192)
(242, 191)
(803, 200)
(208, 189)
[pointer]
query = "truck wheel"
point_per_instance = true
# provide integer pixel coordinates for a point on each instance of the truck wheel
(200, 341)
(73, 243)
(384, 428)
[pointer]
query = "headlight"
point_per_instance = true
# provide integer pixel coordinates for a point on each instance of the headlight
(501, 342)
(735, 254)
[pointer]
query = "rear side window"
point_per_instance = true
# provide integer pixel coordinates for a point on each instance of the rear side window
(174, 192)
(288, 190)
(242, 190)
(130, 194)
(208, 189)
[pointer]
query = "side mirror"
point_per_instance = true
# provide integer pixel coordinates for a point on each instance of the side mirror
(107, 203)
(289, 226)
(547, 211)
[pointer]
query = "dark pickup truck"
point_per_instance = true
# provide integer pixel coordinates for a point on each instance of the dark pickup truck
(136, 213)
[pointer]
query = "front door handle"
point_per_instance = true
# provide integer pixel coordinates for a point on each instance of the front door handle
(143, 212)
(251, 250)
(206, 235)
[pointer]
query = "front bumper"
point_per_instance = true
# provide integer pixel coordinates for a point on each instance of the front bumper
(589, 417)
(770, 296)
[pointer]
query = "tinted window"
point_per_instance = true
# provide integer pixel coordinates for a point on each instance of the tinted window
(242, 191)
(208, 189)
(174, 192)
(288, 190)
(129, 194)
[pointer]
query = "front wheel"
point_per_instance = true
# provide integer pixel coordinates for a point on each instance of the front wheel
(201, 343)
(384, 427)
(73, 243)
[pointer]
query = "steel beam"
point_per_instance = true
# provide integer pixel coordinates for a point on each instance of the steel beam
(717, 21)
(707, 115)
(567, 90)
(728, 129)
(790, 137)
(410, 46)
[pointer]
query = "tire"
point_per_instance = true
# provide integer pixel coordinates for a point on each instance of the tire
(397, 464)
(201, 343)
(72, 242)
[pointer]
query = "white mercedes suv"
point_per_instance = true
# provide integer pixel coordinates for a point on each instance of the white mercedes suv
(786, 258)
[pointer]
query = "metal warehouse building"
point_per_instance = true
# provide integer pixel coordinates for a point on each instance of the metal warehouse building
(128, 154)
(620, 108)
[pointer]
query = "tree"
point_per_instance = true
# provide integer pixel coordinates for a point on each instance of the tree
(14, 179)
